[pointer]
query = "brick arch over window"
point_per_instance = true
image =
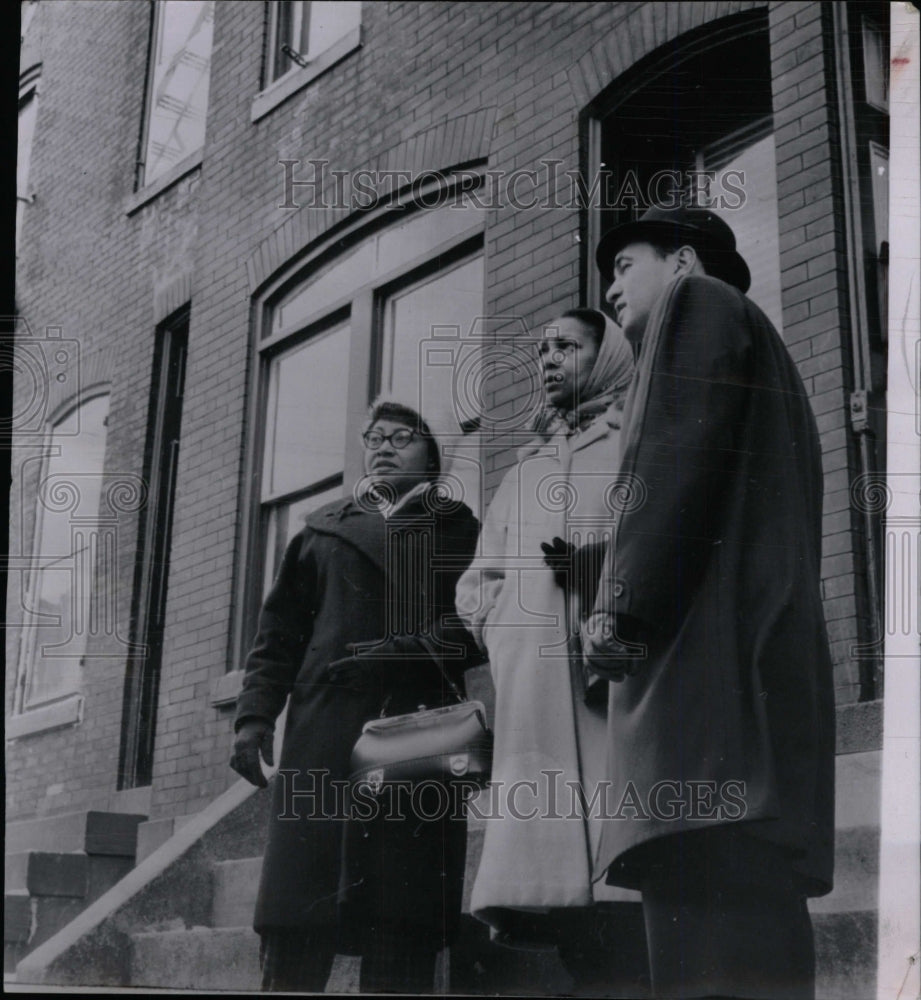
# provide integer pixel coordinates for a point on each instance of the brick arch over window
(440, 149)
(638, 34)
(95, 369)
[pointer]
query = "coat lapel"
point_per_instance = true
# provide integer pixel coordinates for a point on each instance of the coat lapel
(364, 530)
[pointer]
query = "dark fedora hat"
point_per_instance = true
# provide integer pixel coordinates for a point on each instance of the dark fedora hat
(698, 227)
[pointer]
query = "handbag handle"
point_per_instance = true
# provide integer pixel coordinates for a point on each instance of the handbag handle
(429, 647)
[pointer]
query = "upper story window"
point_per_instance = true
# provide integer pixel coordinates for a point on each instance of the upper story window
(875, 37)
(60, 612)
(178, 82)
(28, 112)
(302, 30)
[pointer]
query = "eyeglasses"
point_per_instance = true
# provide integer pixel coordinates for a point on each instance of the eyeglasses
(557, 347)
(399, 438)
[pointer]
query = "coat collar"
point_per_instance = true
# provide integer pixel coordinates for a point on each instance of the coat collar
(599, 428)
(362, 527)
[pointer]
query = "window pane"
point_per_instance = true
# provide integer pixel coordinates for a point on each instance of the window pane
(309, 28)
(875, 65)
(61, 592)
(754, 222)
(306, 414)
(432, 358)
(424, 333)
(179, 88)
(28, 107)
(60, 629)
(72, 485)
(421, 234)
(285, 521)
(328, 22)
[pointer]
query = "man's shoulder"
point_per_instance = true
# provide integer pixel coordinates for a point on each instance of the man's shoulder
(708, 292)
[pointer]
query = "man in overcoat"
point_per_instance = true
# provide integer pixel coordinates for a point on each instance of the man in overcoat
(709, 618)
(379, 570)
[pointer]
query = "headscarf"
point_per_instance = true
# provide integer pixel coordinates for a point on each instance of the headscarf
(607, 383)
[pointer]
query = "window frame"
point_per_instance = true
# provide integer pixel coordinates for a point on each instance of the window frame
(275, 91)
(145, 187)
(733, 30)
(364, 304)
(66, 707)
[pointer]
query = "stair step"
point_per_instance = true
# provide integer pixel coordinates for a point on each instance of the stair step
(845, 955)
(214, 958)
(33, 919)
(857, 789)
(43, 873)
(200, 958)
(856, 873)
(236, 884)
(93, 831)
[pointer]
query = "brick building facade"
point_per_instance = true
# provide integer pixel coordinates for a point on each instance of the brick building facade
(191, 283)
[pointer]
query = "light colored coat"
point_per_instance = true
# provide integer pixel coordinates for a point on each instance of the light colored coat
(509, 600)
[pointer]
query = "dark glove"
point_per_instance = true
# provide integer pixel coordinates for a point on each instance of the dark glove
(576, 567)
(255, 736)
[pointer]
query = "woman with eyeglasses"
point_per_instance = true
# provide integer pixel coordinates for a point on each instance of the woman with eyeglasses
(532, 581)
(350, 631)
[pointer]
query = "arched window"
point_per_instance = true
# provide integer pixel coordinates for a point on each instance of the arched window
(671, 130)
(58, 601)
(393, 308)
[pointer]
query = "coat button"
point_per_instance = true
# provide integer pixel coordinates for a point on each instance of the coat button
(618, 590)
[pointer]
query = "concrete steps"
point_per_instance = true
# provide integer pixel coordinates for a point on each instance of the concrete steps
(54, 867)
(197, 958)
(845, 945)
(183, 920)
(236, 884)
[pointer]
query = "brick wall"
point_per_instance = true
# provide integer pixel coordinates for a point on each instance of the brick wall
(100, 273)
(815, 300)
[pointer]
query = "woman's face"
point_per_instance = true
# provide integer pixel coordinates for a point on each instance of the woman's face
(567, 356)
(400, 468)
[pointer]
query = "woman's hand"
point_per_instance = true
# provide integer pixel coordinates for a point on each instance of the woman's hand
(255, 736)
(576, 568)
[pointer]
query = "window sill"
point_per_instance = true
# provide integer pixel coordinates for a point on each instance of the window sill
(150, 191)
(66, 712)
(224, 690)
(269, 99)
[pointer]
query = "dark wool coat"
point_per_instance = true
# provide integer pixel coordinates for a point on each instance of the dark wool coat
(350, 576)
(716, 568)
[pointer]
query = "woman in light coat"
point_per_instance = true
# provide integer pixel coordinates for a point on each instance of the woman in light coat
(521, 598)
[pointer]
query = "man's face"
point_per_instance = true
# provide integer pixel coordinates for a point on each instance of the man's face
(399, 467)
(567, 356)
(640, 275)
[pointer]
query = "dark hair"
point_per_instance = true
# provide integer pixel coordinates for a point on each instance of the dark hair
(591, 319)
(400, 413)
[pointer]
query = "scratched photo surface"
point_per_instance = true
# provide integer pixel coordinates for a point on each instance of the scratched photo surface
(464, 499)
